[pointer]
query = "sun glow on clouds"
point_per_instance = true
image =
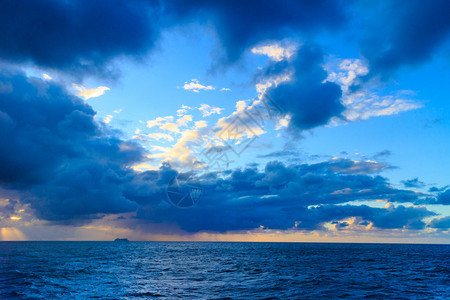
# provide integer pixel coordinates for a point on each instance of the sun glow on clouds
(144, 167)
(283, 122)
(170, 127)
(189, 142)
(11, 234)
(107, 229)
(46, 76)
(159, 121)
(107, 119)
(181, 154)
(89, 93)
(186, 135)
(275, 51)
(246, 127)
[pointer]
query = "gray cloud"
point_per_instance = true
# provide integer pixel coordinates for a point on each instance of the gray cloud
(413, 183)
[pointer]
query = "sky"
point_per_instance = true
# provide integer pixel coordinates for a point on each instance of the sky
(281, 121)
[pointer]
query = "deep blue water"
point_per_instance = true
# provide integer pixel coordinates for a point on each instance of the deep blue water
(109, 270)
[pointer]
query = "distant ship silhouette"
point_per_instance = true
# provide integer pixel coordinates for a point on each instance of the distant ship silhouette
(121, 240)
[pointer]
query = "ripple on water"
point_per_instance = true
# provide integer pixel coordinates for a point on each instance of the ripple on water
(41, 270)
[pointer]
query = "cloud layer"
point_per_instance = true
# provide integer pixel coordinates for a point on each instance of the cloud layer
(69, 168)
(304, 197)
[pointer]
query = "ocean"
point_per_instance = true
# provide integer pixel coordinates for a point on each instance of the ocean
(216, 270)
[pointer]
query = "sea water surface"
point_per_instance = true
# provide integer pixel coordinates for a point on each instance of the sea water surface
(204, 270)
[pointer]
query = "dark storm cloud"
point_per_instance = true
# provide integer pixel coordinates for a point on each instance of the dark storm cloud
(78, 36)
(41, 125)
(280, 195)
(65, 165)
(277, 214)
(402, 34)
(242, 24)
(83, 37)
(307, 97)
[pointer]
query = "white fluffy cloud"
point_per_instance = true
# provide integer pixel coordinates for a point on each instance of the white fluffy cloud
(183, 110)
(201, 124)
(181, 154)
(195, 86)
(208, 110)
(364, 103)
(184, 120)
(159, 121)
